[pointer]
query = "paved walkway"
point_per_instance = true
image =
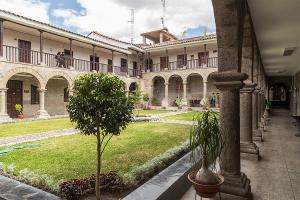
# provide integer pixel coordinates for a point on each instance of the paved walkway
(14, 190)
(38, 136)
(176, 122)
(277, 175)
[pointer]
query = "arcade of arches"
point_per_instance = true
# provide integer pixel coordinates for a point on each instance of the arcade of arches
(191, 90)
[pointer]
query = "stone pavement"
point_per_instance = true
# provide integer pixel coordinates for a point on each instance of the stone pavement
(176, 122)
(277, 175)
(14, 190)
(39, 136)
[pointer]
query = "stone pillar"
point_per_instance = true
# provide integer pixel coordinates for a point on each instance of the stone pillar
(3, 114)
(257, 135)
(236, 183)
(165, 102)
(247, 145)
(204, 89)
(42, 113)
(2, 56)
(112, 62)
(184, 99)
(161, 37)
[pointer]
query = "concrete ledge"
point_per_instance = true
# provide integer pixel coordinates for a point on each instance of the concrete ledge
(171, 183)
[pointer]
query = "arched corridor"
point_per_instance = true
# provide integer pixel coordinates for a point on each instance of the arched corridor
(158, 91)
(175, 85)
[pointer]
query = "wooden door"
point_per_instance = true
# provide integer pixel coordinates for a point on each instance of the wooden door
(163, 63)
(14, 96)
(180, 61)
(203, 56)
(24, 51)
(110, 67)
(97, 61)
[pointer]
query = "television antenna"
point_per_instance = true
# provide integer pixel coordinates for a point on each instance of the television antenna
(132, 25)
(163, 18)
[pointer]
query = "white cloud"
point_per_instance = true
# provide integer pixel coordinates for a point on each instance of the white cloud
(111, 16)
(29, 8)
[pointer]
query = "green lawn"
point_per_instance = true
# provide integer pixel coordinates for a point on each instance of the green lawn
(74, 156)
(25, 128)
(185, 116)
(149, 112)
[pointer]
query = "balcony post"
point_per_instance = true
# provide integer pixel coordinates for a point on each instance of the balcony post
(165, 101)
(3, 114)
(205, 58)
(128, 75)
(167, 59)
(94, 58)
(112, 61)
(185, 58)
(42, 113)
(71, 54)
(1, 39)
(41, 48)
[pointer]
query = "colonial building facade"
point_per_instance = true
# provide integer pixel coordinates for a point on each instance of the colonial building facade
(39, 62)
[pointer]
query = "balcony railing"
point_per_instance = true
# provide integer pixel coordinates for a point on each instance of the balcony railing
(15, 54)
(189, 64)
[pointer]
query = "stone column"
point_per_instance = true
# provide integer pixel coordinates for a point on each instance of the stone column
(3, 114)
(247, 145)
(236, 183)
(204, 89)
(257, 135)
(184, 99)
(165, 102)
(42, 113)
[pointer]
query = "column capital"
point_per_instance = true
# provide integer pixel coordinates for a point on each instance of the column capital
(3, 89)
(166, 84)
(184, 83)
(42, 90)
(249, 87)
(229, 80)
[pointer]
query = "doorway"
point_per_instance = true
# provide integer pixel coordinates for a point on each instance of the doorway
(14, 96)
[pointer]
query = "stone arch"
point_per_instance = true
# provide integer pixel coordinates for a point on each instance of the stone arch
(158, 92)
(26, 70)
(174, 75)
(60, 74)
(133, 86)
(157, 76)
(195, 89)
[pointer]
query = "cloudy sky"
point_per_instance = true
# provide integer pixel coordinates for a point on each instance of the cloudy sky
(111, 17)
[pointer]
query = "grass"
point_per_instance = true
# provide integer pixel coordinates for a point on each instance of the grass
(74, 156)
(25, 128)
(149, 112)
(184, 116)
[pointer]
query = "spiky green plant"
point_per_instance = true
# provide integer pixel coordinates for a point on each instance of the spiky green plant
(206, 137)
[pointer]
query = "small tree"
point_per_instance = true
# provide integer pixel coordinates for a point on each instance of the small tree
(100, 107)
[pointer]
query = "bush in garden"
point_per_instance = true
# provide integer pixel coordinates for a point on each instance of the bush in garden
(100, 107)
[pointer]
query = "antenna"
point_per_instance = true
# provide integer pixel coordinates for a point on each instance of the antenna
(132, 24)
(164, 13)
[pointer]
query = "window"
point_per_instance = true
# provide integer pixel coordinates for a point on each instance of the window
(123, 65)
(35, 95)
(66, 94)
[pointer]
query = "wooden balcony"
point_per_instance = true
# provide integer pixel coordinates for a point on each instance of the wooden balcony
(15, 54)
(189, 64)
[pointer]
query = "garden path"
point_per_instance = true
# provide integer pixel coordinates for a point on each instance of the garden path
(38, 136)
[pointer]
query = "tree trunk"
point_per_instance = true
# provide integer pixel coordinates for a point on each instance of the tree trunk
(98, 166)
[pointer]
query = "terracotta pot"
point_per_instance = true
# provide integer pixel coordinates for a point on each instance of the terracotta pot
(206, 191)
(20, 116)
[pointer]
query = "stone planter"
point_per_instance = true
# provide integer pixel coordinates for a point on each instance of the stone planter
(206, 191)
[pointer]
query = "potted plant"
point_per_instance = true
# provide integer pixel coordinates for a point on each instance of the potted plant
(178, 102)
(206, 138)
(146, 99)
(19, 108)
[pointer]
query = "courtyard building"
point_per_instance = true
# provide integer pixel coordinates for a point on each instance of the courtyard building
(39, 63)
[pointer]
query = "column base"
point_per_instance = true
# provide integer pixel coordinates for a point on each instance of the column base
(42, 114)
(250, 148)
(184, 102)
(5, 118)
(237, 187)
(42, 63)
(165, 103)
(257, 135)
(2, 58)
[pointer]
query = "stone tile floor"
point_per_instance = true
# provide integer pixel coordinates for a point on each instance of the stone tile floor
(277, 175)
